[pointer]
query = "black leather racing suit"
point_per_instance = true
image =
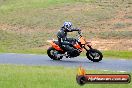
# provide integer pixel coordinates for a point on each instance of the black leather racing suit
(64, 42)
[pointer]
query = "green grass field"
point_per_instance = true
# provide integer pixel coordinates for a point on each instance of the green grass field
(118, 54)
(12, 76)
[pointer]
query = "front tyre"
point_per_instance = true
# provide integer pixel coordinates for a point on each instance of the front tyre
(94, 55)
(54, 54)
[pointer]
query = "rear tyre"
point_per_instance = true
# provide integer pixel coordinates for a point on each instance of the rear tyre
(94, 55)
(53, 54)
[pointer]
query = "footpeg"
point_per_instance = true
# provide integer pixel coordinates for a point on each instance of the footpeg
(66, 55)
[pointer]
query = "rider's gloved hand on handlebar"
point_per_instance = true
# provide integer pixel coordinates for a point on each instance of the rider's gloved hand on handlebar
(77, 29)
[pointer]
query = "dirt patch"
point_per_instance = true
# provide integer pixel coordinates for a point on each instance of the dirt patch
(117, 23)
(20, 29)
(23, 29)
(74, 7)
(112, 44)
(103, 44)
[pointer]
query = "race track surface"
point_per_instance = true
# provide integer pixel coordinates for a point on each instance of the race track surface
(30, 59)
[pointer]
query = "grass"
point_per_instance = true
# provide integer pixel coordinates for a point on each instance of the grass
(14, 76)
(49, 13)
(118, 54)
(128, 17)
(25, 51)
(26, 24)
(116, 34)
(115, 54)
(110, 53)
(15, 41)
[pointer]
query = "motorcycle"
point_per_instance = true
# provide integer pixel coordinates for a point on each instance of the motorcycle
(55, 52)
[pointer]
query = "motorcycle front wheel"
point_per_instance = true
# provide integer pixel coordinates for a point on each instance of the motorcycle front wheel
(94, 55)
(53, 54)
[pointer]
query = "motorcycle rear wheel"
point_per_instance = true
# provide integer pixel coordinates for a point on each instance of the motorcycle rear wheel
(52, 53)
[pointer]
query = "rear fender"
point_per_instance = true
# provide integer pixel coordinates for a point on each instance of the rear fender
(55, 46)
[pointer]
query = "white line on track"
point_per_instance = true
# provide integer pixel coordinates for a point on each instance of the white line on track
(114, 71)
(123, 59)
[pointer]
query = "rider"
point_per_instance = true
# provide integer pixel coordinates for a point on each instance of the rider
(64, 42)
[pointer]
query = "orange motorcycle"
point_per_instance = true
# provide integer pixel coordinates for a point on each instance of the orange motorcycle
(55, 52)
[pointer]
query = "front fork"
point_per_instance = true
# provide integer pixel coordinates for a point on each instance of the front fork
(90, 47)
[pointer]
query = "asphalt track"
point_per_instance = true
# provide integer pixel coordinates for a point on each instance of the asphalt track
(121, 65)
